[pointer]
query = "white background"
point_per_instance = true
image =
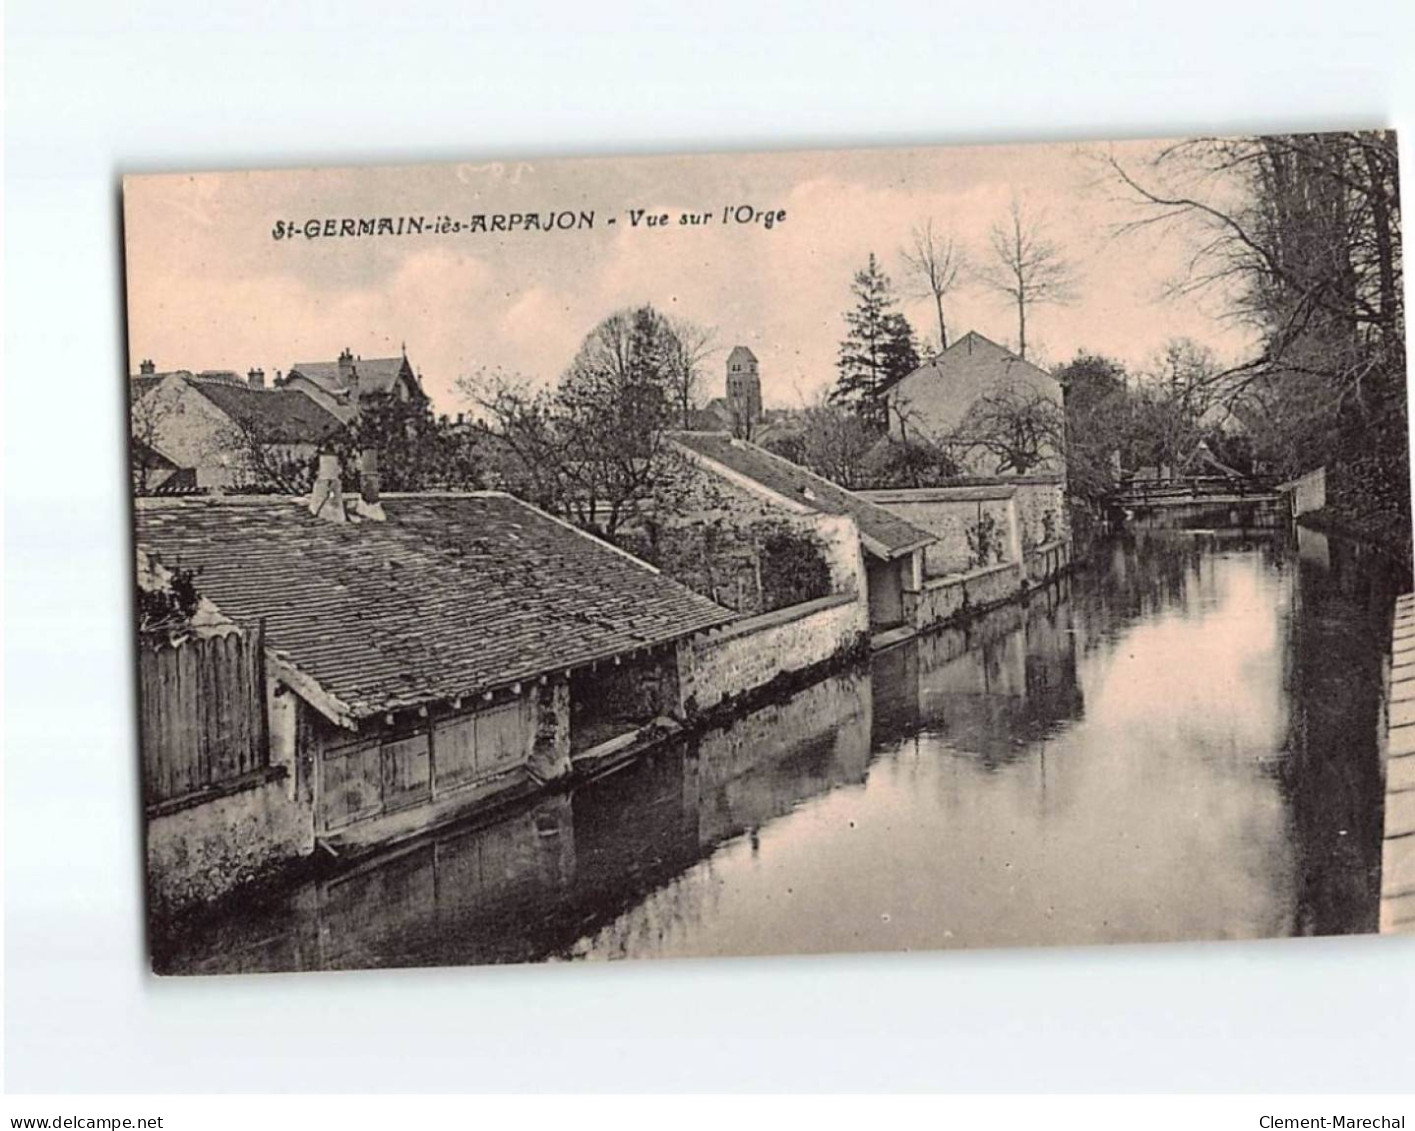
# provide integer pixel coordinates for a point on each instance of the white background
(98, 89)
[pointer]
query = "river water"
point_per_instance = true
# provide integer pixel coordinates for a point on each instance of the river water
(1180, 742)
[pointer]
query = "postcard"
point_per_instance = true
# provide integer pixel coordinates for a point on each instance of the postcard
(772, 553)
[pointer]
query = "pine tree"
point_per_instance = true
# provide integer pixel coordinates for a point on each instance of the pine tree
(878, 348)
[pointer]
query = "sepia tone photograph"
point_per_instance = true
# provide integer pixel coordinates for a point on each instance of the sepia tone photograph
(873, 550)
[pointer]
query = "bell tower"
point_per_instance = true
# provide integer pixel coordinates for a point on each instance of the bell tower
(744, 391)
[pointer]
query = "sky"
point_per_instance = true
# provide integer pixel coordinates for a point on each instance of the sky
(209, 287)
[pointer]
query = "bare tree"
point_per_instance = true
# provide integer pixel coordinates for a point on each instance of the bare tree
(688, 350)
(1017, 426)
(146, 414)
(264, 459)
(934, 267)
(1298, 236)
(1027, 267)
(594, 449)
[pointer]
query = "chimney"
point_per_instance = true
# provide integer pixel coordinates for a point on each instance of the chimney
(346, 363)
(367, 506)
(147, 368)
(327, 498)
(256, 378)
(368, 475)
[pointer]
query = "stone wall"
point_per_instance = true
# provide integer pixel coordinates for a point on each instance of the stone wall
(1047, 561)
(1025, 512)
(708, 531)
(946, 598)
(1307, 493)
(1041, 510)
(950, 513)
(750, 653)
(203, 851)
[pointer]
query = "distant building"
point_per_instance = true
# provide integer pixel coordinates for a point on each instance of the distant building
(940, 401)
(214, 431)
(342, 385)
(744, 391)
(892, 546)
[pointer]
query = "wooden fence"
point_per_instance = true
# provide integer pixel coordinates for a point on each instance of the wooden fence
(203, 714)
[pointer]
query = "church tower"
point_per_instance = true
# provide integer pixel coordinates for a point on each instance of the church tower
(744, 391)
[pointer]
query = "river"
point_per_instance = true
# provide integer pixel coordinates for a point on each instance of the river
(1180, 742)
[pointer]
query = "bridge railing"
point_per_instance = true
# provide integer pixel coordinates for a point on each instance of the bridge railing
(1190, 487)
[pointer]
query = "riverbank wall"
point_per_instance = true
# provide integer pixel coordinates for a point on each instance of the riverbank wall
(725, 663)
(944, 600)
(1398, 846)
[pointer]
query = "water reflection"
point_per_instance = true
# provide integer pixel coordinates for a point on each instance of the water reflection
(1179, 744)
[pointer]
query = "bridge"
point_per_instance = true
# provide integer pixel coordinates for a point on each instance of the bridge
(1200, 500)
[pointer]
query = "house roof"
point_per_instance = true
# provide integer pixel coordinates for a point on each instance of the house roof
(884, 533)
(963, 493)
(279, 416)
(740, 353)
(971, 366)
(376, 374)
(452, 595)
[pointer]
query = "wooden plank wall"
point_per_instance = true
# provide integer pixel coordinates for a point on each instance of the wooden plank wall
(203, 717)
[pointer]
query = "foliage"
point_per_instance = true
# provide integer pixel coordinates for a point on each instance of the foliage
(166, 611)
(1097, 414)
(1049, 527)
(831, 441)
(416, 450)
(985, 541)
(793, 567)
(913, 463)
(878, 347)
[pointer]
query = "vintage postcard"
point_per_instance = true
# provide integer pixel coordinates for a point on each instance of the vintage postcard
(785, 553)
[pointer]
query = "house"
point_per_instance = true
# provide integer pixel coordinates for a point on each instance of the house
(429, 653)
(969, 396)
(342, 385)
(892, 546)
(222, 433)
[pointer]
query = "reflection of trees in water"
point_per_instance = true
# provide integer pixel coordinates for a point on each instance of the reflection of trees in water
(993, 687)
(1337, 638)
(1142, 574)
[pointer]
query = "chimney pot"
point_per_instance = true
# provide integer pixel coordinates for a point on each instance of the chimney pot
(346, 365)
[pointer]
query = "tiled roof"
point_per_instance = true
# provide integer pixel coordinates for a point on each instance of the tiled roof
(451, 596)
(886, 534)
(376, 374)
(277, 416)
(142, 385)
(740, 353)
